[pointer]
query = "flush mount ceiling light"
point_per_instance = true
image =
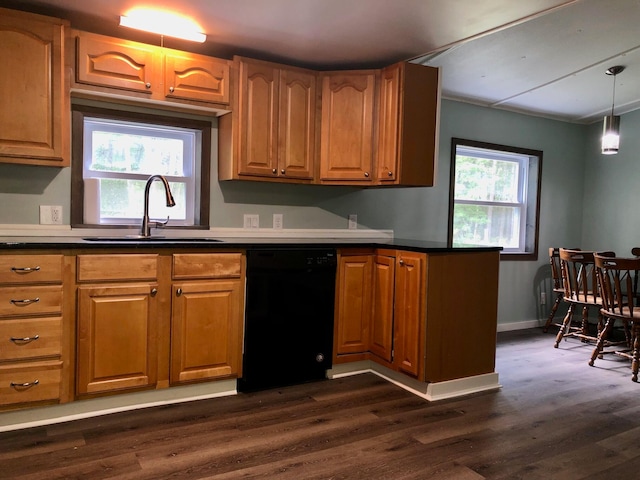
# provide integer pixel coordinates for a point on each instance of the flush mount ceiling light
(611, 127)
(163, 23)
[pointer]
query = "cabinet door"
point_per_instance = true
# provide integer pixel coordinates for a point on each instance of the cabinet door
(206, 330)
(34, 105)
(409, 313)
(112, 62)
(258, 119)
(196, 77)
(117, 339)
(408, 122)
(382, 315)
(354, 304)
(346, 151)
(297, 123)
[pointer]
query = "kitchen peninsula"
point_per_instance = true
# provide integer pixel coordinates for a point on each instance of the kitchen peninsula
(96, 326)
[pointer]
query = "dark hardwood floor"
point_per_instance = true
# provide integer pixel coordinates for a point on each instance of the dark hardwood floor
(554, 418)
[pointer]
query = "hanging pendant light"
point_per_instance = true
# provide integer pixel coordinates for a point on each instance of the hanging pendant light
(611, 126)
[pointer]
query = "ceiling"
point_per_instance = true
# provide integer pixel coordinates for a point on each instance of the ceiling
(545, 57)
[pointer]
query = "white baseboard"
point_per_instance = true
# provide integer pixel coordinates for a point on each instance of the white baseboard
(52, 414)
(429, 391)
(507, 327)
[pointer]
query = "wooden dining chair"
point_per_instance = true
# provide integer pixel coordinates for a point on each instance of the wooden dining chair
(617, 278)
(557, 288)
(580, 291)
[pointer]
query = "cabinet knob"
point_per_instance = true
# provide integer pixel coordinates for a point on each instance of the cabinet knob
(178, 292)
(171, 89)
(366, 174)
(147, 85)
(154, 291)
(274, 171)
(390, 173)
(282, 171)
(401, 262)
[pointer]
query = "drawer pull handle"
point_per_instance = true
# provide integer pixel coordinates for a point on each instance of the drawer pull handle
(25, 269)
(26, 301)
(24, 339)
(25, 384)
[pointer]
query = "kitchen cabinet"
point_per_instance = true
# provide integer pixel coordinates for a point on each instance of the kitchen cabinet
(207, 316)
(429, 317)
(117, 322)
(381, 342)
(408, 120)
(353, 306)
(147, 71)
(409, 313)
(347, 132)
(272, 132)
(34, 105)
(31, 329)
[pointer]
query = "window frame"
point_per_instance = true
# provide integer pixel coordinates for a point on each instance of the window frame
(531, 199)
(203, 184)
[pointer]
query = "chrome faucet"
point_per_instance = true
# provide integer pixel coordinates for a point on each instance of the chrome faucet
(146, 224)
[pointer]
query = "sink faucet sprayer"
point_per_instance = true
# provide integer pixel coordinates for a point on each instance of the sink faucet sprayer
(146, 224)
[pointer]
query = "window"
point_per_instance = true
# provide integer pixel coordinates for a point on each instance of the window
(114, 153)
(494, 197)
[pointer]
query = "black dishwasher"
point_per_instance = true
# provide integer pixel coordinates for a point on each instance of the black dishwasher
(288, 336)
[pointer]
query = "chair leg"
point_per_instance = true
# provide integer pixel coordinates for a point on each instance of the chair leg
(602, 337)
(585, 323)
(554, 309)
(635, 363)
(566, 324)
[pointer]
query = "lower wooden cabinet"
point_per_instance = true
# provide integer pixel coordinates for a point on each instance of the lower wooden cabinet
(152, 320)
(206, 330)
(117, 337)
(430, 316)
(409, 313)
(353, 305)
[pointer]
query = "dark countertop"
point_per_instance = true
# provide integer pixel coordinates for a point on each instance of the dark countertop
(67, 242)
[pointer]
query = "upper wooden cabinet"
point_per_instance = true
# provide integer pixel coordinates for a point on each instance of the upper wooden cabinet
(34, 105)
(271, 134)
(346, 146)
(408, 125)
(149, 71)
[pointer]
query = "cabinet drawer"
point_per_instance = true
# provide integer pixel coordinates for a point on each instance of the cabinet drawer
(30, 301)
(117, 267)
(30, 338)
(30, 382)
(207, 265)
(21, 269)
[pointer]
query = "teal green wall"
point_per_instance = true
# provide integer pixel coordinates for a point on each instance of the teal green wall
(611, 218)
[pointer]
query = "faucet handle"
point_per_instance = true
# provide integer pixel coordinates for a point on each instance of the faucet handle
(160, 224)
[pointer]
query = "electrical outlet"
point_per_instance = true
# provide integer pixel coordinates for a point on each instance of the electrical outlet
(277, 221)
(543, 298)
(50, 214)
(251, 220)
(353, 221)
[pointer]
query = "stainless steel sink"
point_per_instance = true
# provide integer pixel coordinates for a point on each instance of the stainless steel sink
(156, 239)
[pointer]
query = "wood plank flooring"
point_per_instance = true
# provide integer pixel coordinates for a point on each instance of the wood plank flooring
(554, 418)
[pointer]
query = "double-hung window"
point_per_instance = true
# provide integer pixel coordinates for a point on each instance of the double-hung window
(494, 197)
(121, 151)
